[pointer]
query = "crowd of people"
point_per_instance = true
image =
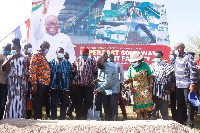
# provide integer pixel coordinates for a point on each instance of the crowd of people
(28, 77)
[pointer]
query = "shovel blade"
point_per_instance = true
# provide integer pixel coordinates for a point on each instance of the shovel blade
(93, 115)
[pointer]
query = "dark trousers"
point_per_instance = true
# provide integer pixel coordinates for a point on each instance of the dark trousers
(29, 112)
(3, 98)
(122, 104)
(81, 109)
(99, 103)
(55, 95)
(162, 105)
(38, 100)
(182, 105)
(47, 102)
(173, 105)
(110, 104)
(71, 103)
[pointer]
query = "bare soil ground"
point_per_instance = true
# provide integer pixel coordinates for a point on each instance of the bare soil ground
(84, 126)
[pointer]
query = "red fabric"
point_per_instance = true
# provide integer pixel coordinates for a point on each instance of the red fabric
(85, 71)
(198, 62)
(122, 104)
(28, 28)
(36, 2)
(85, 50)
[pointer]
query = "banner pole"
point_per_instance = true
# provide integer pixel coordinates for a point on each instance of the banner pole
(12, 31)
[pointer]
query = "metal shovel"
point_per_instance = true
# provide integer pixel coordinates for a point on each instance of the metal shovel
(92, 113)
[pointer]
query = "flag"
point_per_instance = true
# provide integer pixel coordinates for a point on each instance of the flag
(21, 32)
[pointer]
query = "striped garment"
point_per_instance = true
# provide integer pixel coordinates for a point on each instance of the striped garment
(85, 71)
(61, 74)
(172, 63)
(27, 63)
(185, 71)
(161, 72)
(172, 79)
(17, 89)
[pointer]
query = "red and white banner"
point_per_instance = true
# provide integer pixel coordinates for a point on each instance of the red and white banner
(122, 51)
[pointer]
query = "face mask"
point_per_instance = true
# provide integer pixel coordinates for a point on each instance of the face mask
(171, 57)
(108, 59)
(46, 51)
(176, 52)
(13, 52)
(158, 60)
(135, 64)
(6, 52)
(60, 55)
(29, 50)
(84, 57)
(67, 58)
(100, 66)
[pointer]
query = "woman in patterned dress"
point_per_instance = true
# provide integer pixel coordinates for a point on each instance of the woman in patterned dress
(17, 82)
(139, 77)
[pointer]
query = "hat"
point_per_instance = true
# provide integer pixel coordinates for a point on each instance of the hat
(135, 56)
(192, 97)
(16, 41)
(85, 50)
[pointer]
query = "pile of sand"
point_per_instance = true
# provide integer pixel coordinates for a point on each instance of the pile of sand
(72, 126)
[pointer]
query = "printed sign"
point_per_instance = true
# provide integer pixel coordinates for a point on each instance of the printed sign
(122, 52)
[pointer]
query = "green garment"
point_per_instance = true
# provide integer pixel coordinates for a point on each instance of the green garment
(143, 66)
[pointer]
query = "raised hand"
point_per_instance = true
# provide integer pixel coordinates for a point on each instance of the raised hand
(46, 6)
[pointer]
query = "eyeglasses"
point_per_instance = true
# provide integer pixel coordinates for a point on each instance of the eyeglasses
(50, 24)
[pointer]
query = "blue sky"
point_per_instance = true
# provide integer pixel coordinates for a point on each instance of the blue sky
(183, 17)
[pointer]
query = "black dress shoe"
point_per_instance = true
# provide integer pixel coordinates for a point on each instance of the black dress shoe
(62, 118)
(125, 117)
(70, 115)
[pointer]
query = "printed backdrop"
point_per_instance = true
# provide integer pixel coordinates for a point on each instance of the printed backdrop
(122, 52)
(115, 26)
(107, 21)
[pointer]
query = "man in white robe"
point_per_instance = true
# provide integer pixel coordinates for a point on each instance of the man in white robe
(46, 28)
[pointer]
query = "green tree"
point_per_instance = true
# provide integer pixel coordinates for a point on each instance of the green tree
(194, 45)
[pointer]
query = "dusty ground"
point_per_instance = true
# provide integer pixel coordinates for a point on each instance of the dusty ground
(73, 126)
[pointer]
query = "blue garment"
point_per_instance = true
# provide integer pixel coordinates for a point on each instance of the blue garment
(61, 74)
(84, 57)
(185, 71)
(192, 97)
(6, 52)
(109, 79)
